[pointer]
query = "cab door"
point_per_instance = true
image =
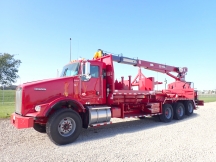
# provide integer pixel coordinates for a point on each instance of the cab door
(91, 85)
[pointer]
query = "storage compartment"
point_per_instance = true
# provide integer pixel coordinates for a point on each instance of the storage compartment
(116, 112)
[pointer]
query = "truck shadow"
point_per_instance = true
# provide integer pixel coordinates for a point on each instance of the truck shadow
(123, 126)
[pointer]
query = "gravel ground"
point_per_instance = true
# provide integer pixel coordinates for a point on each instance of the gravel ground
(191, 139)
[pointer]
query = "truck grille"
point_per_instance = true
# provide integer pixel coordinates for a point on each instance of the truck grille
(18, 100)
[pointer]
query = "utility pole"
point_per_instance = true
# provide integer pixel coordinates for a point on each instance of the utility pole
(70, 49)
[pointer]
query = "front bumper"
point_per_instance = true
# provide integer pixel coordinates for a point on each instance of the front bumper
(21, 122)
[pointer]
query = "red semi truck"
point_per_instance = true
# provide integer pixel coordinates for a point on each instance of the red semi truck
(87, 94)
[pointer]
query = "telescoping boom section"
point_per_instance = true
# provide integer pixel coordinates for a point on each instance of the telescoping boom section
(87, 95)
(152, 66)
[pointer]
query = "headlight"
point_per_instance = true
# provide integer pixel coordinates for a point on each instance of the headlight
(37, 108)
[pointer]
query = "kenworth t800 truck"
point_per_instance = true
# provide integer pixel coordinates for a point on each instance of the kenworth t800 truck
(87, 94)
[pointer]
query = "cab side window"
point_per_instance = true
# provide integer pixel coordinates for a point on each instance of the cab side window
(94, 71)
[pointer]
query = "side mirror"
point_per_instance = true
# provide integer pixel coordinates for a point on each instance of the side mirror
(86, 71)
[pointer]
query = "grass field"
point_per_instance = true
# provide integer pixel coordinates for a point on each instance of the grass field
(208, 98)
(7, 103)
(7, 109)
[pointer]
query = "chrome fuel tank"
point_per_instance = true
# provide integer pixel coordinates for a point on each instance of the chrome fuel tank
(99, 114)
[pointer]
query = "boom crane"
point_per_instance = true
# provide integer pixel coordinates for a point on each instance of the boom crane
(153, 66)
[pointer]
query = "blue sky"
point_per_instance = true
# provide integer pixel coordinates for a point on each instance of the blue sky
(178, 33)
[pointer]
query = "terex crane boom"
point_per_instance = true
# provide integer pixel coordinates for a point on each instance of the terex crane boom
(88, 95)
(153, 66)
(179, 86)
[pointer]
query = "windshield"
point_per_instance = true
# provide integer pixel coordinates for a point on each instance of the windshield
(70, 70)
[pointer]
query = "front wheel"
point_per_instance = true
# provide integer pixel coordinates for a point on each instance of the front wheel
(39, 128)
(167, 113)
(64, 126)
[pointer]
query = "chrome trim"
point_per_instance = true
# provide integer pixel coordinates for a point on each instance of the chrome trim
(18, 104)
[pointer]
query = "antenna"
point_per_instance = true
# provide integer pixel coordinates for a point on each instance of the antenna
(70, 49)
(78, 48)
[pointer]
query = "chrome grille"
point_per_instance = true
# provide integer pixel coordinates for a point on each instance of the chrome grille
(18, 100)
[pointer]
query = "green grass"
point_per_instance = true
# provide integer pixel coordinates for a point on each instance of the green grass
(7, 109)
(208, 98)
(7, 96)
(7, 103)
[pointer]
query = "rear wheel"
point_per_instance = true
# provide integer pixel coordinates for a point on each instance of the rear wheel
(167, 113)
(39, 128)
(189, 107)
(179, 111)
(64, 126)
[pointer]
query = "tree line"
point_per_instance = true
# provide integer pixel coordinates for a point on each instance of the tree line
(10, 87)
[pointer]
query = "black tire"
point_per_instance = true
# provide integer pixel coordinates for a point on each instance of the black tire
(141, 118)
(167, 113)
(179, 111)
(39, 128)
(189, 107)
(64, 126)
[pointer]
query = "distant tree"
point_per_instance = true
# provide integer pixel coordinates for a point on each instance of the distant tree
(8, 69)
